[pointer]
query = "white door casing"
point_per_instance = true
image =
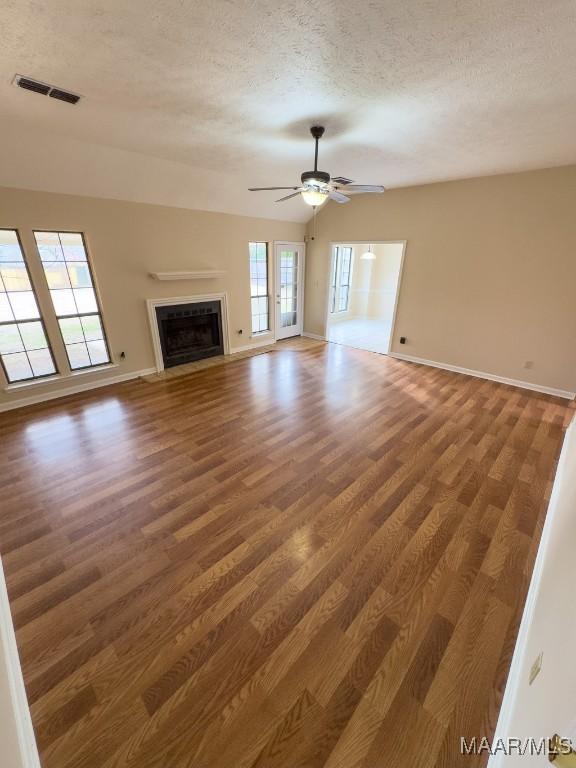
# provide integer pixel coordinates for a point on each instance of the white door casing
(288, 288)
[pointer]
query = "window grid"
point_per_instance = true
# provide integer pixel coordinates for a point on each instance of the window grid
(288, 288)
(68, 250)
(259, 293)
(25, 352)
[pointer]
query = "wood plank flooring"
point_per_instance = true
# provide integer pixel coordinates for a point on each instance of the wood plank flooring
(314, 557)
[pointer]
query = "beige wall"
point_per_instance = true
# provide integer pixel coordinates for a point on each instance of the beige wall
(127, 241)
(489, 272)
(384, 279)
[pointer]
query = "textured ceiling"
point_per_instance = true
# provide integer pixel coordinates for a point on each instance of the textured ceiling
(188, 103)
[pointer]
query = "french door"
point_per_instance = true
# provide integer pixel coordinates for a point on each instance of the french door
(289, 298)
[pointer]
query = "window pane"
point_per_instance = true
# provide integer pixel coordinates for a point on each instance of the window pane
(10, 340)
(41, 362)
(78, 355)
(49, 246)
(73, 246)
(17, 367)
(85, 300)
(98, 352)
(9, 246)
(56, 274)
(15, 276)
(5, 309)
(71, 329)
(80, 275)
(64, 303)
(92, 328)
(24, 305)
(33, 335)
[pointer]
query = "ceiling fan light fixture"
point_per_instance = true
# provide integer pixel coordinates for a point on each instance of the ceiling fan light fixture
(368, 255)
(314, 197)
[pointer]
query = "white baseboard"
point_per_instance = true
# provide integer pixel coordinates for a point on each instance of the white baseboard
(42, 397)
(519, 667)
(19, 748)
(247, 347)
(314, 336)
(490, 376)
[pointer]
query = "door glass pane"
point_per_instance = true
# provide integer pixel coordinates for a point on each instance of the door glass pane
(288, 288)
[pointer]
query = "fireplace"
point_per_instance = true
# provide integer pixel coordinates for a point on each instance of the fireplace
(190, 332)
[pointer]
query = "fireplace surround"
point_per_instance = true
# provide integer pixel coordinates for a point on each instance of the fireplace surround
(186, 329)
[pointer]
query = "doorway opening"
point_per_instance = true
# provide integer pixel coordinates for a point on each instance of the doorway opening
(364, 287)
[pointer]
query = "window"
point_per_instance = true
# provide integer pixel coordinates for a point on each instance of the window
(341, 278)
(67, 269)
(259, 287)
(24, 349)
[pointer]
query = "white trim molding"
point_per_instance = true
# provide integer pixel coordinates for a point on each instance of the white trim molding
(42, 396)
(489, 376)
(19, 748)
(199, 274)
(269, 342)
(314, 336)
(153, 303)
(535, 610)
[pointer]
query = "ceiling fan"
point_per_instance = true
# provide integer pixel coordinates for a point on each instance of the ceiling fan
(317, 186)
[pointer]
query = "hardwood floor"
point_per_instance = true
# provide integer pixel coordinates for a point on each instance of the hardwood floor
(313, 557)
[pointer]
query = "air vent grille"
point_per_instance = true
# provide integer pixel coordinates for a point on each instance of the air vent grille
(34, 85)
(57, 93)
(29, 84)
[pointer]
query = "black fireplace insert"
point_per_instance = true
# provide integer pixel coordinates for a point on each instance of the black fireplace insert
(190, 332)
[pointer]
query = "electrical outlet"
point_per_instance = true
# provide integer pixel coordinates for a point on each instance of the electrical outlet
(535, 668)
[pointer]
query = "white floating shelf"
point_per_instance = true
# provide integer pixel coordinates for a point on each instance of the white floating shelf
(202, 274)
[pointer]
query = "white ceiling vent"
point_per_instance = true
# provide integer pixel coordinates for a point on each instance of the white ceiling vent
(29, 84)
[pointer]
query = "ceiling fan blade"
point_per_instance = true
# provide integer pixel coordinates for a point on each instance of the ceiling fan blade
(294, 194)
(351, 189)
(267, 189)
(338, 197)
(342, 180)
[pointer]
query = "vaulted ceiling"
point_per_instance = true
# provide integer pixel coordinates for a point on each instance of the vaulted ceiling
(188, 103)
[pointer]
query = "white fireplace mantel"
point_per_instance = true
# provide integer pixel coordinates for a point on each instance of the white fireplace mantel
(153, 303)
(198, 274)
